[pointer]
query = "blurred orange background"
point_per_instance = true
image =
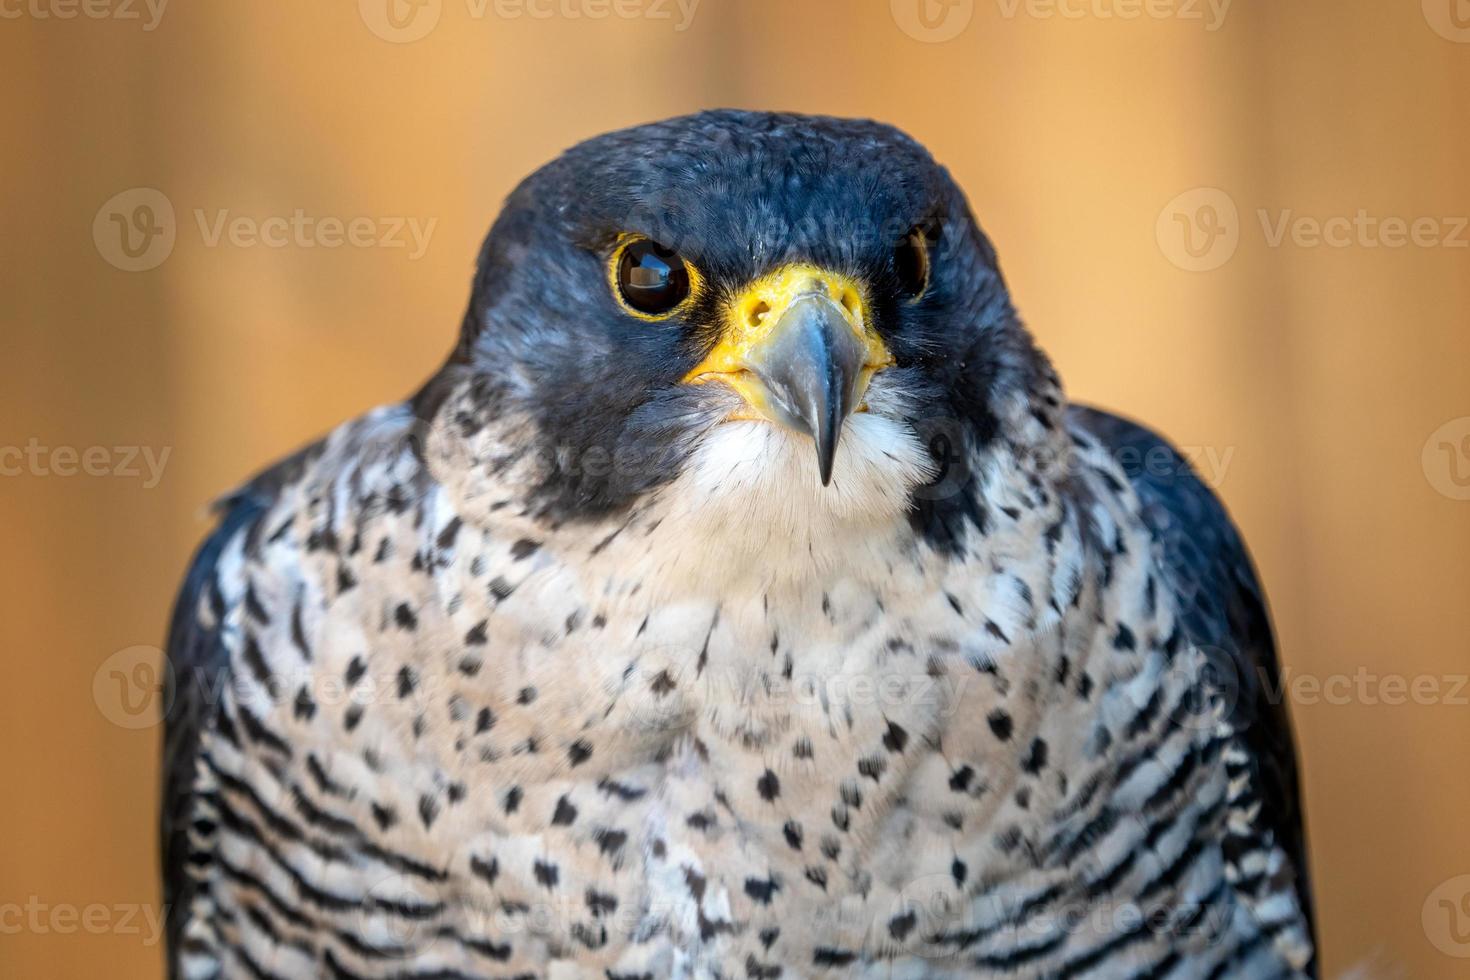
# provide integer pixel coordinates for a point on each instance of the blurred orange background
(1151, 173)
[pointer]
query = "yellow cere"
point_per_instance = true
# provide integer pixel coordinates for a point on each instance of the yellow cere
(750, 318)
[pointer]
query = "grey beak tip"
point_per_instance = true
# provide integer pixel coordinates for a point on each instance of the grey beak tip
(826, 439)
(810, 370)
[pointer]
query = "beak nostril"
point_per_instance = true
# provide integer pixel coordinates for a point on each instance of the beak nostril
(850, 302)
(757, 313)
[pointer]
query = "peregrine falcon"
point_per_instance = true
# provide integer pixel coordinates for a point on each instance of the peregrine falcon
(742, 598)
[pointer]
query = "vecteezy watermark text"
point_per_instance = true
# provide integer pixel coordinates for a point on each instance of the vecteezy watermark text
(136, 230)
(936, 21)
(406, 21)
(126, 462)
(1200, 229)
(1363, 230)
(1211, 13)
(147, 12)
(302, 230)
(42, 918)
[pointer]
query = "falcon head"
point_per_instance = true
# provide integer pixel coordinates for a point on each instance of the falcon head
(735, 307)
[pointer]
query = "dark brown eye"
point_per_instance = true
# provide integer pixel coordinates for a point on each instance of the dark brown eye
(911, 261)
(651, 278)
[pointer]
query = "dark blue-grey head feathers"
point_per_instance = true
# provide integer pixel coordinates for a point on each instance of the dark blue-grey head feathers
(737, 194)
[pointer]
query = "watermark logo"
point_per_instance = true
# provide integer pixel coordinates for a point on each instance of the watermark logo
(400, 21)
(397, 915)
(932, 21)
(1199, 230)
(926, 908)
(1446, 917)
(135, 230)
(1446, 459)
(1450, 19)
(131, 687)
(1212, 688)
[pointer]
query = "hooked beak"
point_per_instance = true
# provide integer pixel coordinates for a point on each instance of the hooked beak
(800, 353)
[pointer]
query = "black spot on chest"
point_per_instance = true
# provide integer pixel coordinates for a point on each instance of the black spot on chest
(1000, 724)
(355, 669)
(896, 738)
(547, 874)
(761, 891)
(1035, 759)
(566, 813)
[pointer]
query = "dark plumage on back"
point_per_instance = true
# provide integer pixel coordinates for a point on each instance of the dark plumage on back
(199, 666)
(1223, 611)
(198, 671)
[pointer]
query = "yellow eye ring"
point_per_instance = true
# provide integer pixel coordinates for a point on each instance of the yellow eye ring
(651, 281)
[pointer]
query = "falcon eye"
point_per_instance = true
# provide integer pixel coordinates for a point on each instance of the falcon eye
(651, 279)
(911, 261)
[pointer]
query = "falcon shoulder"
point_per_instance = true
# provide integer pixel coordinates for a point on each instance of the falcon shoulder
(1223, 611)
(198, 669)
